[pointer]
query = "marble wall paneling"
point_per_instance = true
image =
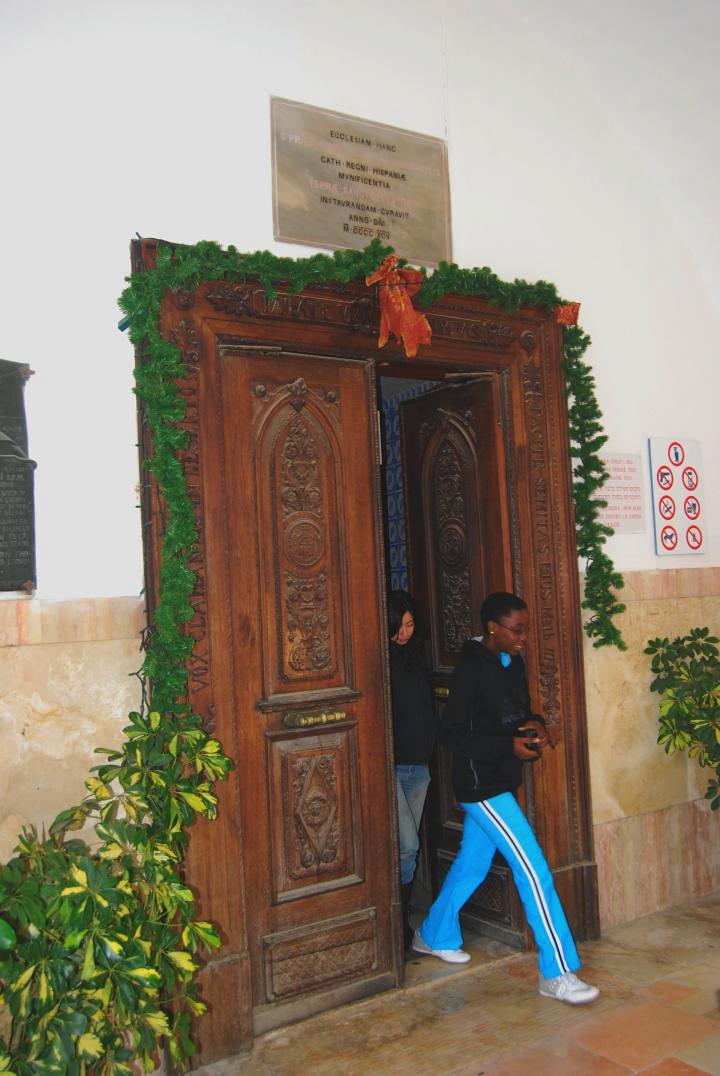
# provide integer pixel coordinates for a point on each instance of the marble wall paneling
(65, 688)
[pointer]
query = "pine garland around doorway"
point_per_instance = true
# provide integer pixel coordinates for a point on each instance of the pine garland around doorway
(99, 945)
(187, 266)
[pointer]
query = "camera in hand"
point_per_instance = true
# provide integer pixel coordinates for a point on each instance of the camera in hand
(530, 734)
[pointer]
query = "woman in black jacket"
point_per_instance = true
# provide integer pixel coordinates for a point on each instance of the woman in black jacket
(414, 730)
(489, 726)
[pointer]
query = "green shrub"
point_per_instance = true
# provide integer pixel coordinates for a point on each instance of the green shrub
(98, 948)
(687, 675)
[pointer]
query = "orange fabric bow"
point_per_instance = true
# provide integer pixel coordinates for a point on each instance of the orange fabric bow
(567, 314)
(397, 314)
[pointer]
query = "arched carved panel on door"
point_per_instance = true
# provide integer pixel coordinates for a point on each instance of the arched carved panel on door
(453, 530)
(298, 475)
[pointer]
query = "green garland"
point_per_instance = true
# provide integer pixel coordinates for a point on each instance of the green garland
(187, 266)
(98, 947)
(585, 429)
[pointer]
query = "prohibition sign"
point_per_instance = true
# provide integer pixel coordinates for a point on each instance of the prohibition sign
(665, 477)
(692, 507)
(668, 537)
(666, 507)
(676, 453)
(694, 537)
(689, 478)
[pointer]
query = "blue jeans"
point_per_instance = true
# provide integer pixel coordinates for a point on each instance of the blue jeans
(412, 786)
(498, 823)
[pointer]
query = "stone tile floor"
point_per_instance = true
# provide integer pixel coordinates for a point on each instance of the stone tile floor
(659, 1013)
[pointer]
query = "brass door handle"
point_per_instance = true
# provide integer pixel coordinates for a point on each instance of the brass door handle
(305, 720)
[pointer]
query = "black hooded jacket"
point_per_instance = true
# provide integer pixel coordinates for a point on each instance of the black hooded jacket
(486, 706)
(413, 710)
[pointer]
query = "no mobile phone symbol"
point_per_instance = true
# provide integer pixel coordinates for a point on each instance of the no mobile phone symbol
(690, 478)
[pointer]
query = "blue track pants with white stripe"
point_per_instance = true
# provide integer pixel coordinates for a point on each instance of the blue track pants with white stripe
(498, 823)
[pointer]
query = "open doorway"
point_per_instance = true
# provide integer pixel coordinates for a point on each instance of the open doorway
(288, 667)
(447, 531)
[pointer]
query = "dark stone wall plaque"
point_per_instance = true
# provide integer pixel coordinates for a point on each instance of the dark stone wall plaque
(17, 503)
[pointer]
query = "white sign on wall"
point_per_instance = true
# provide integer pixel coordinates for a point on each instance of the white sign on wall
(676, 478)
(623, 491)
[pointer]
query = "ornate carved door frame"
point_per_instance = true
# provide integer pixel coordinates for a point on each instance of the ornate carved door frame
(340, 323)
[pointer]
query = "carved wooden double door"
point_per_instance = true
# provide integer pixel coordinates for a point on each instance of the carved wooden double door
(289, 667)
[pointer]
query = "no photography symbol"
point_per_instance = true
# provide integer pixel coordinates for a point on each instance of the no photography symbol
(665, 477)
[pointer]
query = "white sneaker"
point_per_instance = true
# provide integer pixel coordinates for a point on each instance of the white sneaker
(450, 956)
(568, 988)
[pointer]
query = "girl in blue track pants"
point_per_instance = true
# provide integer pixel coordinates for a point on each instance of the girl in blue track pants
(490, 729)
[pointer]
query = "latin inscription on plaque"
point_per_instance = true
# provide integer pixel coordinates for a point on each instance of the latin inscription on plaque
(17, 531)
(340, 182)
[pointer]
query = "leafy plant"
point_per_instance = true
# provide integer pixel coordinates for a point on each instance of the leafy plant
(104, 959)
(687, 675)
(100, 947)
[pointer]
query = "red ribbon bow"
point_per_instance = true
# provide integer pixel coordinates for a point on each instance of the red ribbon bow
(397, 314)
(567, 314)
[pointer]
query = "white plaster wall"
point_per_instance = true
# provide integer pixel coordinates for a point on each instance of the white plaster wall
(583, 149)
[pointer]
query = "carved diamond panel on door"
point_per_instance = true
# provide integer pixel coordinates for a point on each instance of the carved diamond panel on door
(314, 812)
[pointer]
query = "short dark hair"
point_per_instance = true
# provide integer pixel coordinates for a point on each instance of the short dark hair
(399, 603)
(500, 604)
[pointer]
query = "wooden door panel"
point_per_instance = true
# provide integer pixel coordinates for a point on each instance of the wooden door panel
(457, 513)
(315, 817)
(298, 961)
(308, 703)
(459, 551)
(301, 513)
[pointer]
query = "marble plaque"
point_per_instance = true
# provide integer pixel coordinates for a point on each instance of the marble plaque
(17, 499)
(340, 182)
(17, 523)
